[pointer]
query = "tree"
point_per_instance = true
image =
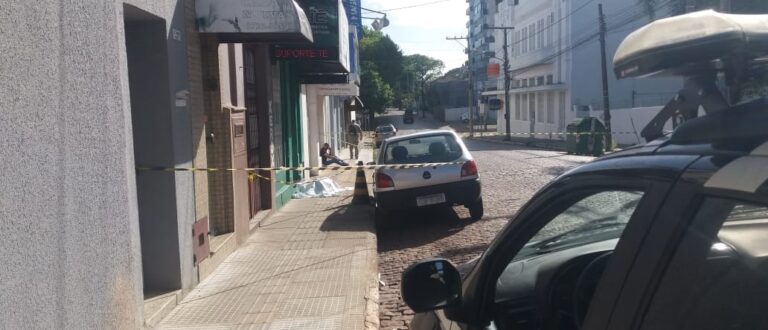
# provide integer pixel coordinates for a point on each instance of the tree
(424, 69)
(376, 93)
(378, 49)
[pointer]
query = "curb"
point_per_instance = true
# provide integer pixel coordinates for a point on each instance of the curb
(523, 144)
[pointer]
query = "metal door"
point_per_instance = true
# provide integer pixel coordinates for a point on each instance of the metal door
(251, 105)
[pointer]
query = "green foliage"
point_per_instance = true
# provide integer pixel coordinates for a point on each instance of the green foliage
(375, 92)
(424, 70)
(378, 49)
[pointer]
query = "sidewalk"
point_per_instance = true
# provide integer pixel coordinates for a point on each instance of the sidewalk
(311, 265)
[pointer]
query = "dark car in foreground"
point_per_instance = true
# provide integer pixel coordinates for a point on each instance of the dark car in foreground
(672, 234)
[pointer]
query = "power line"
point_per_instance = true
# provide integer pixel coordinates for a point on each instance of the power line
(416, 5)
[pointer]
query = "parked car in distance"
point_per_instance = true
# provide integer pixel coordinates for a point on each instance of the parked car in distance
(383, 132)
(443, 185)
(465, 118)
(408, 117)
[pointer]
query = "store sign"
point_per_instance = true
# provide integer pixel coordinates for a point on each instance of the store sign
(355, 16)
(284, 19)
(330, 30)
(338, 90)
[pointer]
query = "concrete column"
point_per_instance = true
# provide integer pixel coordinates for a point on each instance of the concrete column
(314, 108)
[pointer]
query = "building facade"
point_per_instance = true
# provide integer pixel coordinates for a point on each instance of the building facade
(555, 73)
(481, 13)
(115, 95)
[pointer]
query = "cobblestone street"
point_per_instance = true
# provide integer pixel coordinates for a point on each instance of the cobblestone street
(510, 176)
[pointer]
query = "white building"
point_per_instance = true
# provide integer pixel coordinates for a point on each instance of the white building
(554, 54)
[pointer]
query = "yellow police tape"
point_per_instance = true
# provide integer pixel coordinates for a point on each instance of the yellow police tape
(321, 168)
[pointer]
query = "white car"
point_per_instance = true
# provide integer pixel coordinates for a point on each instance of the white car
(406, 188)
(383, 132)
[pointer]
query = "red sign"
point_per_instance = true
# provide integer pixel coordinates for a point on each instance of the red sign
(292, 53)
(493, 70)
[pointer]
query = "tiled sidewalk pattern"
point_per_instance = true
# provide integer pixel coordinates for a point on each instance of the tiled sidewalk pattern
(312, 265)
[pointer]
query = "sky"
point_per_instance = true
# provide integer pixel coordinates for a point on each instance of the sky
(423, 29)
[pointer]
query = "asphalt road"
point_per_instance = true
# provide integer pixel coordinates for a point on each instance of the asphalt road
(510, 175)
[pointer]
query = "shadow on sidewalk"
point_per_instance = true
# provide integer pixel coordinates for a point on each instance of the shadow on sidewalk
(350, 218)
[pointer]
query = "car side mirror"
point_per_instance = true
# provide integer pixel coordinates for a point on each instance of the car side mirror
(431, 284)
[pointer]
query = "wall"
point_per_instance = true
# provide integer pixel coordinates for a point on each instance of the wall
(197, 111)
(454, 114)
(70, 228)
(586, 82)
(629, 122)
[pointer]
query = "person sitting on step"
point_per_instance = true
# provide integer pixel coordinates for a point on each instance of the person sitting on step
(329, 158)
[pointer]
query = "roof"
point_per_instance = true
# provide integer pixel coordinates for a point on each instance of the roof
(421, 134)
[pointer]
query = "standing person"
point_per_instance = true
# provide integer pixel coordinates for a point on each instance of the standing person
(355, 134)
(328, 158)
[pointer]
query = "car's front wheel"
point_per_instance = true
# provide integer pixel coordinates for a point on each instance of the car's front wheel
(476, 209)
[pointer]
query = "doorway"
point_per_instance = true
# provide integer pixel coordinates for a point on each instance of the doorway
(149, 84)
(257, 93)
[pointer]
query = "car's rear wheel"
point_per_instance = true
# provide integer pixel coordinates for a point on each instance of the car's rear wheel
(476, 209)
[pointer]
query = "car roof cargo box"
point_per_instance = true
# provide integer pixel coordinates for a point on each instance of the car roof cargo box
(691, 43)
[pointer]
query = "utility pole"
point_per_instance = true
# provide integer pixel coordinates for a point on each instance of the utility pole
(470, 103)
(606, 99)
(507, 116)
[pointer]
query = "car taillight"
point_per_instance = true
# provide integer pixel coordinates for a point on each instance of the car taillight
(384, 181)
(469, 168)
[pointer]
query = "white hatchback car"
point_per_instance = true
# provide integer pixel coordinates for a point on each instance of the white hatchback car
(407, 188)
(383, 132)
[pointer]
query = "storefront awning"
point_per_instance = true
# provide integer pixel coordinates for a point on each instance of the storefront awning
(329, 52)
(354, 104)
(238, 21)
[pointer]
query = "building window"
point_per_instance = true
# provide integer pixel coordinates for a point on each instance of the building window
(551, 107)
(532, 37)
(550, 79)
(540, 81)
(540, 35)
(532, 106)
(517, 2)
(524, 110)
(517, 107)
(541, 108)
(550, 29)
(561, 108)
(531, 82)
(524, 83)
(525, 41)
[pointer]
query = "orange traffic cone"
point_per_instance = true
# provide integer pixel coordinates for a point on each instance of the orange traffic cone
(360, 195)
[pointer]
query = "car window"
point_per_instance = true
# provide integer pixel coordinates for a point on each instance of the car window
(598, 217)
(424, 149)
(584, 234)
(385, 129)
(718, 275)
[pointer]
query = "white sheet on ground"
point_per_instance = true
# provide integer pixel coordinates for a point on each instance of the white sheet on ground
(318, 187)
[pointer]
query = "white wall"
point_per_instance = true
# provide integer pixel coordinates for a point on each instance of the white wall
(627, 124)
(454, 114)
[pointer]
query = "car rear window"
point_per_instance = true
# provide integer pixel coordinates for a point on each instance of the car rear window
(425, 149)
(385, 129)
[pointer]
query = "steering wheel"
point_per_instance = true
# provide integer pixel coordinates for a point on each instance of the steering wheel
(586, 285)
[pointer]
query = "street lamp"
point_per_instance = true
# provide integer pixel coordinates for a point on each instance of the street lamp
(507, 116)
(378, 23)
